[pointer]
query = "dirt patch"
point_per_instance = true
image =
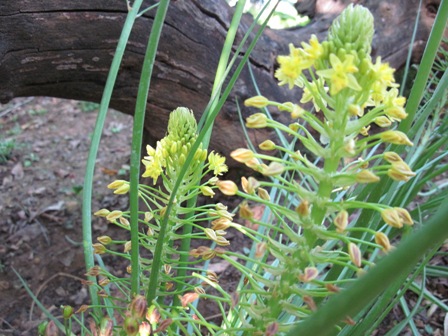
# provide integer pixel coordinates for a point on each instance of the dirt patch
(44, 144)
(41, 182)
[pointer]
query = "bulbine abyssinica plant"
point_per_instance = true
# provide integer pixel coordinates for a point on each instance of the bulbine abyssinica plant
(307, 245)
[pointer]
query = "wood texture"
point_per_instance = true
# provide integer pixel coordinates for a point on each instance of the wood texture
(64, 49)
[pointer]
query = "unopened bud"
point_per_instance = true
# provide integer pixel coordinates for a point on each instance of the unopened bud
(309, 274)
(366, 176)
(105, 240)
(67, 311)
(257, 120)
(267, 145)
(139, 306)
(263, 194)
(207, 191)
(355, 254)
(396, 138)
(228, 187)
(391, 217)
(102, 213)
(130, 326)
(242, 155)
(341, 221)
(382, 240)
(257, 101)
(99, 248)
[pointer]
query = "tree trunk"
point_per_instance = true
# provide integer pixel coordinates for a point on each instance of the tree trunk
(64, 49)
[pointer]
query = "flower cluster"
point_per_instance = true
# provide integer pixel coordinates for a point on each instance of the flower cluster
(355, 98)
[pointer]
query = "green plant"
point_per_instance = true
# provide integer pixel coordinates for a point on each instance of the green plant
(7, 147)
(329, 217)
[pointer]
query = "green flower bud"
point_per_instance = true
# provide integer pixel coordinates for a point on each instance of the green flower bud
(353, 30)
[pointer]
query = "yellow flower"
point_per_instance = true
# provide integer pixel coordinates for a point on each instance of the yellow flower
(311, 93)
(314, 49)
(291, 67)
(154, 162)
(340, 74)
(383, 73)
(217, 163)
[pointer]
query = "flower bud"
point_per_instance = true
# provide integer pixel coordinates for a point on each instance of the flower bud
(341, 221)
(188, 298)
(400, 171)
(51, 329)
(257, 101)
(404, 215)
(127, 246)
(131, 326)
(391, 217)
(207, 191)
(303, 209)
(382, 240)
(267, 145)
(396, 138)
(99, 248)
(114, 215)
(392, 157)
(249, 185)
(273, 169)
(257, 120)
(124, 189)
(116, 184)
(144, 329)
(309, 274)
(242, 155)
(105, 240)
(260, 250)
(382, 121)
(245, 211)
(366, 176)
(102, 213)
(67, 311)
(139, 306)
(263, 194)
(228, 187)
(355, 254)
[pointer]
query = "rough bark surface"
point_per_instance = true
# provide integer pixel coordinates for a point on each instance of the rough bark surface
(64, 49)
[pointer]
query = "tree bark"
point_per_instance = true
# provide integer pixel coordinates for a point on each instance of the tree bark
(64, 49)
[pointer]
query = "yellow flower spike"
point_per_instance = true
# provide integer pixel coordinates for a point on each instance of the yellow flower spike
(382, 121)
(117, 184)
(257, 101)
(257, 120)
(366, 176)
(207, 191)
(267, 145)
(217, 163)
(102, 213)
(242, 155)
(404, 216)
(382, 240)
(114, 215)
(355, 254)
(392, 218)
(273, 169)
(396, 138)
(341, 221)
(227, 187)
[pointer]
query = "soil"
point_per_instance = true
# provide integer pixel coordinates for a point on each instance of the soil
(40, 205)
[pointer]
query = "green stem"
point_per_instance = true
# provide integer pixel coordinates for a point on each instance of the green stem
(137, 134)
(93, 152)
(372, 284)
